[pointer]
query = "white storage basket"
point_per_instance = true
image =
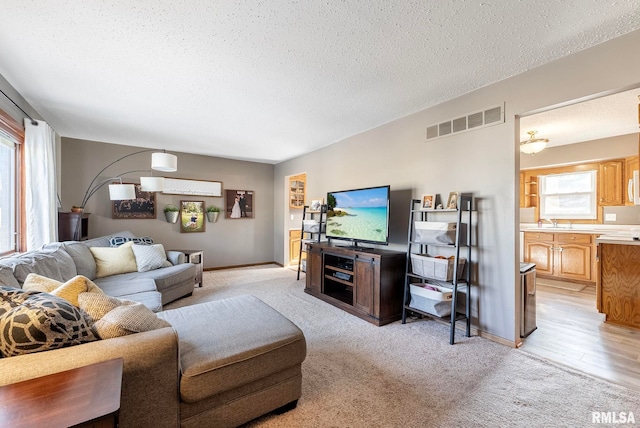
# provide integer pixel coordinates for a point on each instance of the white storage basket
(436, 268)
(436, 302)
(439, 233)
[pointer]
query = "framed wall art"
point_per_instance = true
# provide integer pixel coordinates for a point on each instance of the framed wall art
(239, 204)
(142, 207)
(192, 216)
(185, 186)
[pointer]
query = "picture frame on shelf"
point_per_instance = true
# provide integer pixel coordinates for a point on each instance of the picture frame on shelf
(239, 204)
(142, 207)
(192, 217)
(452, 202)
(316, 204)
(428, 201)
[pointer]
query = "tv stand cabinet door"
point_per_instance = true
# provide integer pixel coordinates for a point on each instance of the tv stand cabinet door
(367, 270)
(314, 270)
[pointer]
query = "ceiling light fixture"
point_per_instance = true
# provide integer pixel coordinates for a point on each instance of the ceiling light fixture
(533, 145)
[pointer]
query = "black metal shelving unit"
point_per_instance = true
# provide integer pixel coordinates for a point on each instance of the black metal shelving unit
(309, 236)
(464, 216)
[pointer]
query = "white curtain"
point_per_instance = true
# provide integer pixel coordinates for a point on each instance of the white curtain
(41, 212)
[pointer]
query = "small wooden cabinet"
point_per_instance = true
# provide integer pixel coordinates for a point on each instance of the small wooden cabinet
(295, 241)
(568, 256)
(297, 190)
(367, 283)
(69, 229)
(610, 183)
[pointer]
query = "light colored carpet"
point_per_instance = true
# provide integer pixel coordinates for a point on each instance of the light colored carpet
(360, 375)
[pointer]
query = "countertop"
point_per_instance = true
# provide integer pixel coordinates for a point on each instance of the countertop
(607, 234)
(593, 229)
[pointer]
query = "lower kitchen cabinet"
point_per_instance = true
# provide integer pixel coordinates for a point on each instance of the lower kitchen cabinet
(567, 256)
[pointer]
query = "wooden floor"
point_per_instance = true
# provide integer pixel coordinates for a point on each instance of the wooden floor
(572, 332)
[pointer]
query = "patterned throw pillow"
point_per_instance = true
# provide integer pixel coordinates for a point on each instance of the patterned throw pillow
(116, 241)
(150, 257)
(31, 321)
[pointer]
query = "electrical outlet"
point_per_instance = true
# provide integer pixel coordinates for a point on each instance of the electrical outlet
(292, 217)
(610, 217)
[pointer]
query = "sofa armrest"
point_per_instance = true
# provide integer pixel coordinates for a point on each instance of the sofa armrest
(176, 257)
(150, 379)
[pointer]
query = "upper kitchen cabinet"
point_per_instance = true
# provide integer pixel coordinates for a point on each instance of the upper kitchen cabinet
(610, 183)
(297, 190)
(630, 164)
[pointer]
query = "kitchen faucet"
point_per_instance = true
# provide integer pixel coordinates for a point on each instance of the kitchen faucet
(553, 221)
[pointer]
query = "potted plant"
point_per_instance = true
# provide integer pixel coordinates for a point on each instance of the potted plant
(171, 213)
(212, 213)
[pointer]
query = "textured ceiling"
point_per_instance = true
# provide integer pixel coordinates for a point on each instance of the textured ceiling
(271, 80)
(603, 117)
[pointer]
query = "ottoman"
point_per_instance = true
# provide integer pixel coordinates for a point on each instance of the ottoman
(239, 359)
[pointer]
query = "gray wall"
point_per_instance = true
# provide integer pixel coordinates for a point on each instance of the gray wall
(485, 162)
(595, 150)
(225, 243)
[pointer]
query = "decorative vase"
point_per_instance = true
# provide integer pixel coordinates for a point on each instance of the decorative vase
(77, 210)
(212, 216)
(171, 216)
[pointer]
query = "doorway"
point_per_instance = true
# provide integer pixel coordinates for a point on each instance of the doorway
(570, 329)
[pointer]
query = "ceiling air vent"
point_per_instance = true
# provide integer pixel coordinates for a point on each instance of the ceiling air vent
(479, 119)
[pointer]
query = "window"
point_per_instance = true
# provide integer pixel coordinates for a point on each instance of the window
(568, 196)
(11, 137)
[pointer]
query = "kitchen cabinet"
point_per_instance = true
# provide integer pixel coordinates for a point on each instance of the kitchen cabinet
(611, 190)
(295, 243)
(618, 285)
(562, 255)
(630, 164)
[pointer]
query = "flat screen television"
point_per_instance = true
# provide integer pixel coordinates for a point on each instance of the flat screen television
(359, 215)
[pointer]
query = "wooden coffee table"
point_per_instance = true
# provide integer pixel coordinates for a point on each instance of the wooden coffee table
(84, 397)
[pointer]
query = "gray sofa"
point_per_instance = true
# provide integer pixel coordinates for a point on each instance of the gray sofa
(220, 364)
(64, 260)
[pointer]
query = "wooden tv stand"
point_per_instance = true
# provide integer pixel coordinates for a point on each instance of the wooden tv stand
(365, 282)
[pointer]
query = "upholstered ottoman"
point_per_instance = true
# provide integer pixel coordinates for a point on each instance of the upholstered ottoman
(239, 359)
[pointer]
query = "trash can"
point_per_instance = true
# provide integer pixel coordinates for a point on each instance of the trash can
(528, 300)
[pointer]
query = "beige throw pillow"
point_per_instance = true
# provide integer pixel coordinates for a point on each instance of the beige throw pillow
(69, 290)
(113, 261)
(117, 317)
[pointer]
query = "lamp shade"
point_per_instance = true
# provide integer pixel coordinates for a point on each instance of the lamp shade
(118, 192)
(164, 162)
(152, 184)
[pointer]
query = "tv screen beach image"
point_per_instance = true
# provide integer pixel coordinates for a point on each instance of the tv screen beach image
(358, 214)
